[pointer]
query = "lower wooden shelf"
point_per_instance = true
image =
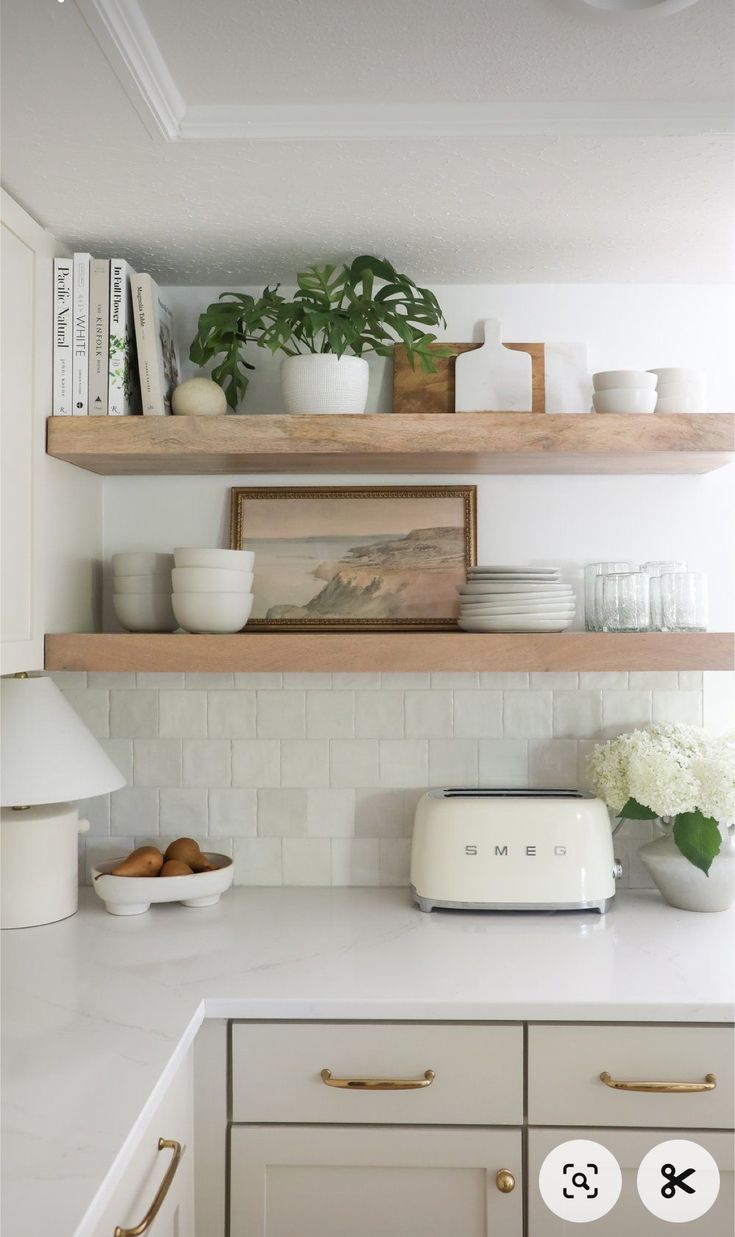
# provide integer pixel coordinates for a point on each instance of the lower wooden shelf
(391, 651)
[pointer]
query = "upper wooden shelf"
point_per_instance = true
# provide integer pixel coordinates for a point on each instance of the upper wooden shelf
(485, 442)
(401, 651)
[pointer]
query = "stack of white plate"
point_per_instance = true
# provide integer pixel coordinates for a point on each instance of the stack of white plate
(141, 591)
(213, 589)
(515, 599)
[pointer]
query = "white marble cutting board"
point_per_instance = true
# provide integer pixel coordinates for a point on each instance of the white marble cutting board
(493, 378)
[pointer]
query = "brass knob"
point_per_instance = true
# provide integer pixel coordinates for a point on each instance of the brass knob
(505, 1181)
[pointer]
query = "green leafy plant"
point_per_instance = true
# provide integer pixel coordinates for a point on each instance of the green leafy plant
(361, 307)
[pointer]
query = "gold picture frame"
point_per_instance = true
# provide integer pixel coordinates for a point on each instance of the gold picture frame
(321, 580)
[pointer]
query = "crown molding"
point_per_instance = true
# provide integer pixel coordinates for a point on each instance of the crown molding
(127, 41)
(279, 122)
(129, 46)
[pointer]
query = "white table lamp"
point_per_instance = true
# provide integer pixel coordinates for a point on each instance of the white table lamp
(48, 757)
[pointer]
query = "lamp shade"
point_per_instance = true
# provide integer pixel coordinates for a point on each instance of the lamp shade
(48, 755)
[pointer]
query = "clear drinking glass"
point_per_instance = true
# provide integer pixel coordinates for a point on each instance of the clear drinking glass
(655, 570)
(591, 572)
(624, 601)
(684, 601)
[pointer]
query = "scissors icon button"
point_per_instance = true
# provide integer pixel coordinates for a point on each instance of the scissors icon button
(675, 1181)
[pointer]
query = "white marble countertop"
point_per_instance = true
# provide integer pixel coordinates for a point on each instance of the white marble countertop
(97, 1010)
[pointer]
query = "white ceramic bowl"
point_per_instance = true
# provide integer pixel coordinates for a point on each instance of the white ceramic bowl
(668, 390)
(230, 560)
(132, 895)
(680, 403)
(139, 563)
(144, 611)
(674, 374)
(211, 580)
(142, 584)
(212, 612)
(624, 400)
(617, 379)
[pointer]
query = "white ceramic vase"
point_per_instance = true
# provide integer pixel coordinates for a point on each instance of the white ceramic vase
(323, 382)
(684, 885)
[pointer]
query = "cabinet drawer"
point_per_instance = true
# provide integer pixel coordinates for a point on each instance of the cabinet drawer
(276, 1073)
(565, 1063)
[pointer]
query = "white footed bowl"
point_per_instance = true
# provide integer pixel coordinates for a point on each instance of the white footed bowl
(230, 560)
(211, 580)
(132, 895)
(680, 403)
(212, 612)
(624, 400)
(144, 611)
(142, 584)
(617, 379)
(141, 563)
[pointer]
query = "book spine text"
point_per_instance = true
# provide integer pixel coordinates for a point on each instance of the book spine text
(99, 325)
(63, 331)
(80, 360)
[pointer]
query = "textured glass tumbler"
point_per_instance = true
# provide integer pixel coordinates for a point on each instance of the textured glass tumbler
(624, 601)
(654, 571)
(684, 601)
(591, 572)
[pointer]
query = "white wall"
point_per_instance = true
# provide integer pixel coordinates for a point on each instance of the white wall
(565, 519)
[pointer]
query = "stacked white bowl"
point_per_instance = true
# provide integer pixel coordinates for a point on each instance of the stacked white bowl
(141, 591)
(498, 598)
(680, 390)
(624, 390)
(213, 589)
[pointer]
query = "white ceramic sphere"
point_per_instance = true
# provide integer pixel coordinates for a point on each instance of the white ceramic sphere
(198, 397)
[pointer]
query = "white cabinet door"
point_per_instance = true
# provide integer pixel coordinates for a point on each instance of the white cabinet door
(629, 1216)
(140, 1179)
(373, 1182)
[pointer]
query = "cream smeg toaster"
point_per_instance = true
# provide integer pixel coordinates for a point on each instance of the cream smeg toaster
(508, 850)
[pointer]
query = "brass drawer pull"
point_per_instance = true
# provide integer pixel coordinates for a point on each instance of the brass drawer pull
(505, 1181)
(164, 1144)
(669, 1088)
(378, 1084)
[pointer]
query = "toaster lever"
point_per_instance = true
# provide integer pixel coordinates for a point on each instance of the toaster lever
(617, 870)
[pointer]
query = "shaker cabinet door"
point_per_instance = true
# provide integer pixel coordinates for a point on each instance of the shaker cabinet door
(629, 1216)
(377, 1182)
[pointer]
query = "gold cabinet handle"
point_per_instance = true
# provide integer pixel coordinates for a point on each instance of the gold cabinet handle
(668, 1088)
(505, 1181)
(164, 1144)
(378, 1084)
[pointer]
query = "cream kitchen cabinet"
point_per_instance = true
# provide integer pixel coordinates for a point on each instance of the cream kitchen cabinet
(629, 1215)
(375, 1182)
(158, 1178)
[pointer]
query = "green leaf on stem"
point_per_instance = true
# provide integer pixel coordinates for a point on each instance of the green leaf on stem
(636, 811)
(698, 838)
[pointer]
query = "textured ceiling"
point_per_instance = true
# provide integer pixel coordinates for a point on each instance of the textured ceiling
(511, 209)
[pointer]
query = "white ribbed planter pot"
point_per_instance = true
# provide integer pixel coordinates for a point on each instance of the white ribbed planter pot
(323, 382)
(681, 883)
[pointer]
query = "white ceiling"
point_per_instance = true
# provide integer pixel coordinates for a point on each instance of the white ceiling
(600, 191)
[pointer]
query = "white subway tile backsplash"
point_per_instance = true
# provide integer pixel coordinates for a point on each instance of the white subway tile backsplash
(182, 812)
(182, 714)
(231, 714)
(304, 762)
(355, 861)
(307, 861)
(257, 861)
(281, 714)
(404, 762)
(207, 762)
(256, 762)
(478, 714)
(429, 714)
(330, 813)
(354, 762)
(313, 783)
(108, 679)
(282, 813)
(157, 762)
(379, 715)
(233, 812)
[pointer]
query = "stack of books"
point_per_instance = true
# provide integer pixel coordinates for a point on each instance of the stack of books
(113, 345)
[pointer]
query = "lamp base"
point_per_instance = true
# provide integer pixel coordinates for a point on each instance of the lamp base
(38, 864)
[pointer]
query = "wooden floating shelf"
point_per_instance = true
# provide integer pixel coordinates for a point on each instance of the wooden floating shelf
(401, 651)
(486, 442)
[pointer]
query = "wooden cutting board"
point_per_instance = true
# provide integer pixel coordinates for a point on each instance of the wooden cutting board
(415, 391)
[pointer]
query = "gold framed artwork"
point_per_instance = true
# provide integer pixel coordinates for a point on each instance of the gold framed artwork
(356, 558)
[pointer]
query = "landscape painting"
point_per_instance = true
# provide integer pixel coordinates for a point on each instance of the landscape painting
(353, 558)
